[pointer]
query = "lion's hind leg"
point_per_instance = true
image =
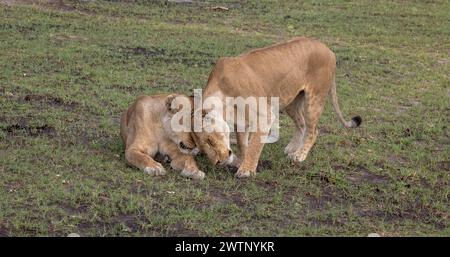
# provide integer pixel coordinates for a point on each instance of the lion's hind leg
(312, 109)
(295, 110)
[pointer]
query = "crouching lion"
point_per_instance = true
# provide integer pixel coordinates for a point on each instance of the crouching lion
(146, 130)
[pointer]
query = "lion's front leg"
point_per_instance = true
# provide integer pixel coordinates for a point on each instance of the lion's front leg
(141, 160)
(242, 143)
(251, 156)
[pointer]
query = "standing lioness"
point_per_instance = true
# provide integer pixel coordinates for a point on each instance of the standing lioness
(300, 72)
(146, 130)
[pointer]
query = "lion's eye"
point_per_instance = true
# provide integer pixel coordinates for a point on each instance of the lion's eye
(183, 146)
(210, 142)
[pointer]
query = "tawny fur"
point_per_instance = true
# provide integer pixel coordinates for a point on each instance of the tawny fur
(145, 132)
(301, 72)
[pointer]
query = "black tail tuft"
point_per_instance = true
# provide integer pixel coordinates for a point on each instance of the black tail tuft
(357, 120)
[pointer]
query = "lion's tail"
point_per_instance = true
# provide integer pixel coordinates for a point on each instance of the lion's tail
(354, 122)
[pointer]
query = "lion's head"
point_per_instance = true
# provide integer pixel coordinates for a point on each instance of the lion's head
(214, 137)
(180, 132)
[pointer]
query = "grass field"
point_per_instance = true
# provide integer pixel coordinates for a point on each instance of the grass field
(69, 68)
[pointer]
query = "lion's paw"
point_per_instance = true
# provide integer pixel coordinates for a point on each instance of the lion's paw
(157, 170)
(196, 174)
(298, 157)
(242, 173)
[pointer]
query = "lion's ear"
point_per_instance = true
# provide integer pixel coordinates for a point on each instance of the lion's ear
(171, 109)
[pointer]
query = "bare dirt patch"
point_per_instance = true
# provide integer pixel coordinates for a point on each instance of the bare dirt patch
(60, 38)
(416, 212)
(360, 174)
(130, 222)
(218, 195)
(73, 211)
(444, 165)
(147, 52)
(397, 159)
(179, 229)
(49, 100)
(58, 5)
(328, 196)
(22, 128)
(23, 29)
(139, 187)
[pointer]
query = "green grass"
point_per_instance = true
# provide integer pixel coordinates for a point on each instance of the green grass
(68, 71)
